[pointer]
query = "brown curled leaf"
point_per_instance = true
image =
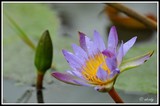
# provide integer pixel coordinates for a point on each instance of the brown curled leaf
(125, 21)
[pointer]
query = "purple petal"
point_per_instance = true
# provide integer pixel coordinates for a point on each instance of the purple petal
(114, 72)
(83, 83)
(104, 88)
(108, 53)
(82, 41)
(99, 41)
(90, 47)
(134, 62)
(100, 88)
(120, 55)
(79, 52)
(67, 78)
(112, 40)
(102, 74)
(70, 79)
(74, 62)
(87, 45)
(128, 45)
(76, 73)
(111, 63)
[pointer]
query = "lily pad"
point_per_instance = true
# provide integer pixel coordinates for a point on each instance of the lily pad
(144, 77)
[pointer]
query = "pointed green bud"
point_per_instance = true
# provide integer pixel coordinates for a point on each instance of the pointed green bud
(44, 53)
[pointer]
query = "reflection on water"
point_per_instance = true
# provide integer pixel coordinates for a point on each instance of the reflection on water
(25, 97)
(59, 92)
(40, 96)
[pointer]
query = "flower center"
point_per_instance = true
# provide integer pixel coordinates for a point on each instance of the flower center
(91, 67)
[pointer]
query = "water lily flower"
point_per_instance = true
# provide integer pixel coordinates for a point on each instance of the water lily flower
(95, 65)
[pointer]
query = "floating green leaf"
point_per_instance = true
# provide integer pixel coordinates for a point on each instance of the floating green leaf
(143, 78)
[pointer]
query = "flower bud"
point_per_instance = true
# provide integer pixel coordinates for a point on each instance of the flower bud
(44, 53)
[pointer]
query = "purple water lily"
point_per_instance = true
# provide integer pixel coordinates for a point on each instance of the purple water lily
(96, 66)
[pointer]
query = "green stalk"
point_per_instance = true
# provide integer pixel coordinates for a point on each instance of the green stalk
(115, 96)
(39, 87)
(40, 77)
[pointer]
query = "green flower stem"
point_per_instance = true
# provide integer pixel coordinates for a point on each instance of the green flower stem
(39, 84)
(115, 96)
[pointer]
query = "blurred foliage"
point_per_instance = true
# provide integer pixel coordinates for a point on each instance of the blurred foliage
(34, 19)
(20, 32)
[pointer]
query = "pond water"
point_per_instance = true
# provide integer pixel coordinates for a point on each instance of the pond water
(59, 92)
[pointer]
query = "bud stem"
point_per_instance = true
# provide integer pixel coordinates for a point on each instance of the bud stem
(115, 96)
(40, 76)
(40, 96)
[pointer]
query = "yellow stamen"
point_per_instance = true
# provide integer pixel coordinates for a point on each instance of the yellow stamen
(90, 69)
